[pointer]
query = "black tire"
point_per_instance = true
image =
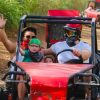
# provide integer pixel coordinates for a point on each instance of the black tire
(3, 94)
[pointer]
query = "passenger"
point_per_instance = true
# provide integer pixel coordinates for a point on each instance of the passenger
(91, 12)
(27, 34)
(32, 54)
(49, 59)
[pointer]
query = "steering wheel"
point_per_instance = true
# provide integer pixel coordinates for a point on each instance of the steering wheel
(72, 61)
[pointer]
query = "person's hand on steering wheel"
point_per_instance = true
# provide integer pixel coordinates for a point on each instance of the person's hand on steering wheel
(77, 53)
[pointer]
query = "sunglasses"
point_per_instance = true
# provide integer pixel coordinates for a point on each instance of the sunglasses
(28, 37)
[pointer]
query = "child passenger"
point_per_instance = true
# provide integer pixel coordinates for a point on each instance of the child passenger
(32, 54)
(49, 59)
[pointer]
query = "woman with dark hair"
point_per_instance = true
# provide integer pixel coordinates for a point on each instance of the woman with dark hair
(27, 34)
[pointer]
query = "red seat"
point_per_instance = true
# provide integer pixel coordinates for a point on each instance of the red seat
(69, 13)
(55, 32)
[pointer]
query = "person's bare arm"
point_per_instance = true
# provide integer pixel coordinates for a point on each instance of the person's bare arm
(11, 46)
(22, 51)
(85, 54)
(47, 51)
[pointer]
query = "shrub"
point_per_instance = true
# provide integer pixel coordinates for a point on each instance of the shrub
(14, 9)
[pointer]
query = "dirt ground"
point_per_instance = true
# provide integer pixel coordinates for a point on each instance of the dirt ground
(5, 55)
(4, 58)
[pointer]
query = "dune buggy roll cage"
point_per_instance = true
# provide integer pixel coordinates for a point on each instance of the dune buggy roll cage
(64, 20)
(60, 19)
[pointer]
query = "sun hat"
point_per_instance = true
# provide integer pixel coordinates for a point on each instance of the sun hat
(35, 41)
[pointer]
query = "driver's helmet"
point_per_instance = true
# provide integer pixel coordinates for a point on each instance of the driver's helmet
(73, 30)
(72, 33)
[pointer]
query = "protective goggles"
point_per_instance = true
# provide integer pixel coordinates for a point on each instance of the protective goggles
(70, 33)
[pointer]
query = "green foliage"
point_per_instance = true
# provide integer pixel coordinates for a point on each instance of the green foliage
(11, 10)
(14, 9)
(41, 7)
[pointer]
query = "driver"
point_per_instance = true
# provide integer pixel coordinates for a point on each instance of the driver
(72, 41)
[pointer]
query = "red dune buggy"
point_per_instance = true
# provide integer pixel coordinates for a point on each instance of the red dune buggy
(54, 81)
